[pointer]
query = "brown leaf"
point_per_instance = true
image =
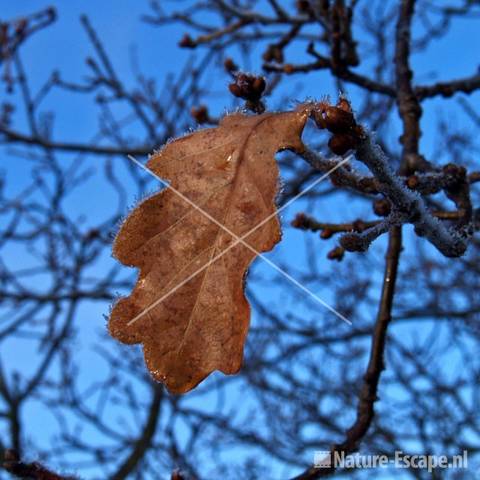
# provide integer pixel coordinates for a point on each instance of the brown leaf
(230, 172)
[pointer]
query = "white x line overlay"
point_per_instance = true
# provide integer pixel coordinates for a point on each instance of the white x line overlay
(239, 240)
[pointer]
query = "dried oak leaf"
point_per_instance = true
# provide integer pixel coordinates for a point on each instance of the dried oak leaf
(201, 323)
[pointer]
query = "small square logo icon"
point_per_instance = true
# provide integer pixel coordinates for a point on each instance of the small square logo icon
(322, 459)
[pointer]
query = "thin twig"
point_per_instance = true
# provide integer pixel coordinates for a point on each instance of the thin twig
(369, 392)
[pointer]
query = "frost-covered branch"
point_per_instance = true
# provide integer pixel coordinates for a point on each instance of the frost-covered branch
(408, 205)
(404, 194)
